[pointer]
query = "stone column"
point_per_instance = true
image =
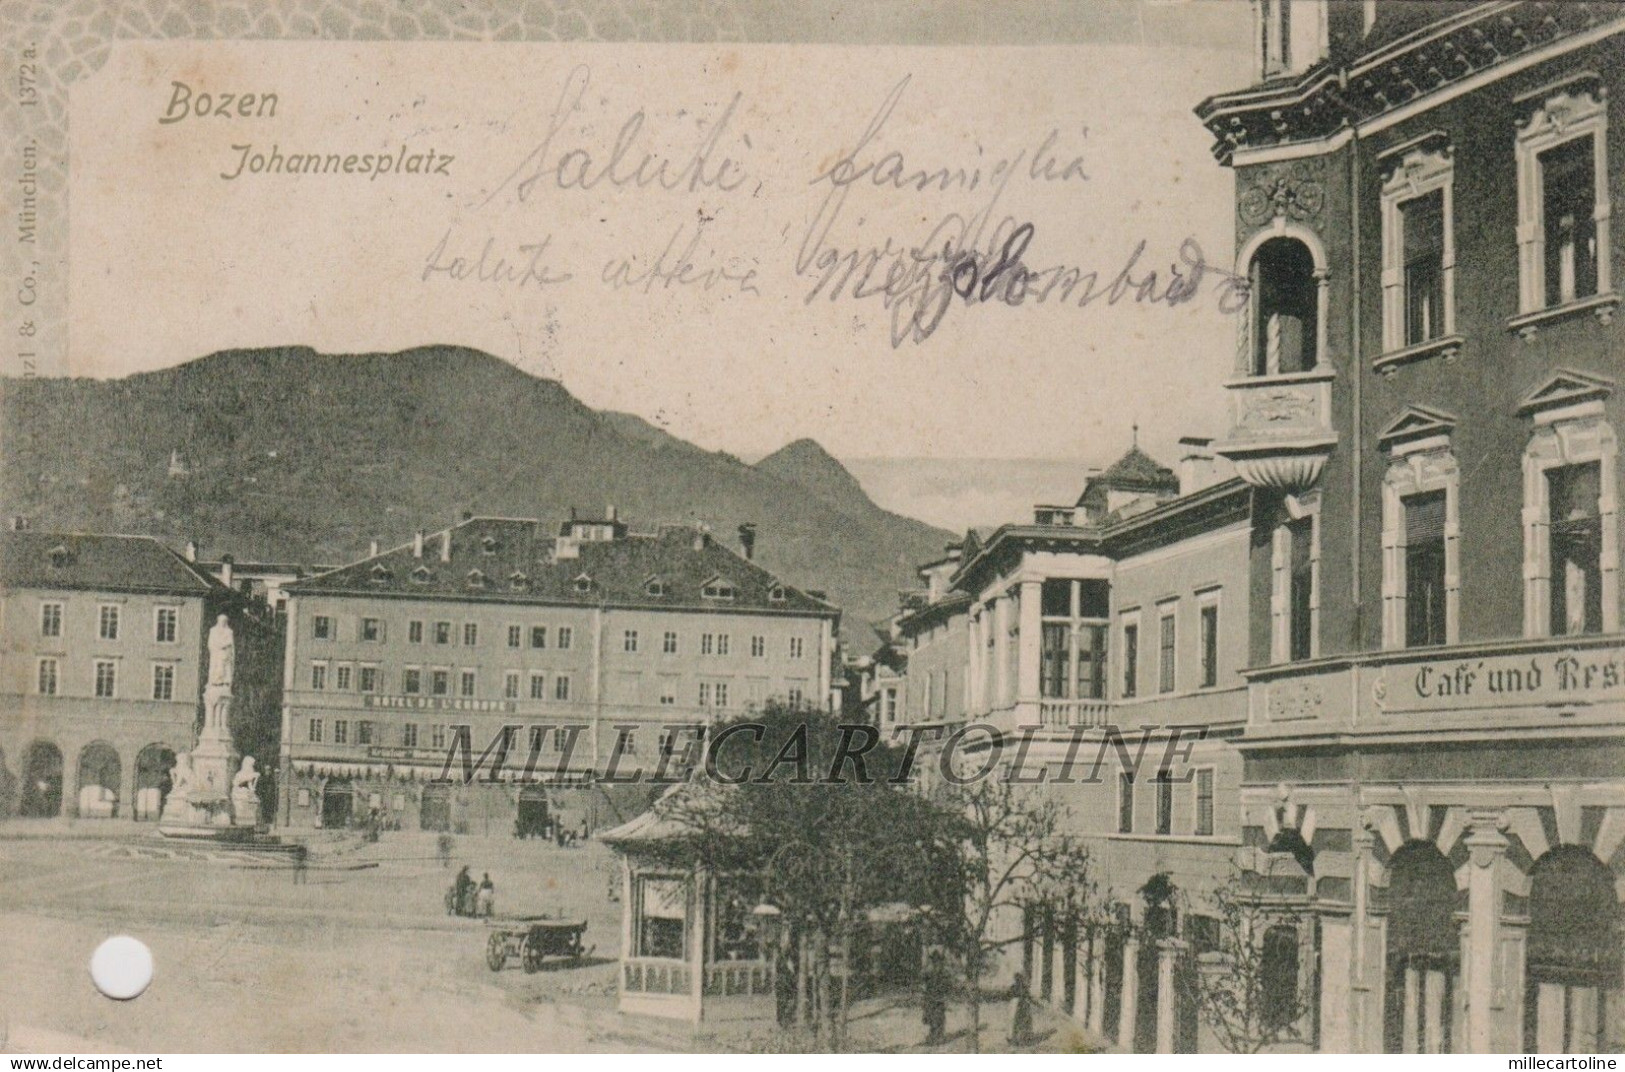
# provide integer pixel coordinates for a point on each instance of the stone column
(1363, 1007)
(1097, 984)
(1336, 1003)
(973, 665)
(1030, 640)
(1508, 1030)
(1410, 1038)
(1001, 657)
(1486, 845)
(1549, 1003)
(1433, 1011)
(1127, 1006)
(1167, 1000)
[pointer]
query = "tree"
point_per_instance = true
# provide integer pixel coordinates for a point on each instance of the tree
(812, 814)
(1250, 989)
(1003, 852)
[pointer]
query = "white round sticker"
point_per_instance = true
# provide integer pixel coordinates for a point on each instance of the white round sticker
(121, 967)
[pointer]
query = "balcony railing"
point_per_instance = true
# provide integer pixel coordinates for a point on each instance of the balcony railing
(1072, 714)
(654, 976)
(1280, 428)
(743, 978)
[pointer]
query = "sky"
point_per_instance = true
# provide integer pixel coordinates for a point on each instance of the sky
(702, 292)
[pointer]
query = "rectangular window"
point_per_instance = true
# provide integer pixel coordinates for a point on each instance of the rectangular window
(166, 624)
(313, 731)
(318, 676)
(1424, 569)
(758, 647)
(722, 694)
(535, 738)
(668, 643)
(722, 643)
(1125, 802)
(626, 742)
(668, 692)
(442, 632)
(109, 622)
(1054, 658)
(437, 736)
(363, 732)
(708, 644)
(566, 637)
(1210, 644)
(1166, 655)
(372, 630)
(1204, 802)
(440, 682)
(1165, 802)
(1300, 589)
(538, 636)
(705, 694)
(1569, 183)
(561, 739)
(369, 679)
(1422, 236)
(510, 685)
(341, 731)
(538, 686)
(561, 687)
(50, 619)
(798, 647)
(412, 681)
(629, 641)
(1574, 492)
(1131, 660)
(516, 636)
(795, 694)
(1090, 670)
(341, 677)
(467, 683)
(321, 627)
(409, 735)
(471, 634)
(47, 677)
(414, 632)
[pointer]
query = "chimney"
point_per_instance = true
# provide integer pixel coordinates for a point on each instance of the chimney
(701, 538)
(609, 512)
(226, 563)
(445, 546)
(747, 539)
(191, 550)
(372, 549)
(417, 544)
(1196, 465)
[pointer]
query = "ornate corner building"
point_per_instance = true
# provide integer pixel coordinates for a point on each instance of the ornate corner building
(1426, 405)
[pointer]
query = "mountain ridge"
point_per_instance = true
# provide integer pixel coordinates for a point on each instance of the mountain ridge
(293, 455)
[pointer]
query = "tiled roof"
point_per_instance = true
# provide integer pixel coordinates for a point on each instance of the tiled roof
(100, 562)
(515, 561)
(1137, 470)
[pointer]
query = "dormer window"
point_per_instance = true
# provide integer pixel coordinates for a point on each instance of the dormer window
(381, 574)
(518, 581)
(488, 545)
(421, 575)
(776, 594)
(59, 556)
(654, 586)
(583, 583)
(718, 588)
(476, 579)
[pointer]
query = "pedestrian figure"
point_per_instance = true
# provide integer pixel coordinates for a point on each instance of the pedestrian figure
(485, 897)
(934, 1001)
(1021, 1017)
(300, 864)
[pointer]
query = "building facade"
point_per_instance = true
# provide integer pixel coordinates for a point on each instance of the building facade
(1105, 644)
(101, 671)
(548, 664)
(1425, 402)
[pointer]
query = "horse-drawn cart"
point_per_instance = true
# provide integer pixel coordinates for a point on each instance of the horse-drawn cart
(532, 939)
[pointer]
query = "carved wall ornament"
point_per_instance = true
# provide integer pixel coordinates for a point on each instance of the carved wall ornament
(1294, 192)
(1290, 701)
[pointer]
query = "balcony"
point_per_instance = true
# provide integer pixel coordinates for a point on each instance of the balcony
(1280, 429)
(1554, 686)
(1074, 714)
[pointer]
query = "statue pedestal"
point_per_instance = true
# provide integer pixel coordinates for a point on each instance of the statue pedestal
(203, 805)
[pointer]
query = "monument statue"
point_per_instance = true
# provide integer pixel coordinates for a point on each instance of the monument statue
(222, 652)
(180, 776)
(248, 779)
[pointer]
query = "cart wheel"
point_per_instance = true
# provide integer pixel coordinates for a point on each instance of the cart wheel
(495, 956)
(531, 958)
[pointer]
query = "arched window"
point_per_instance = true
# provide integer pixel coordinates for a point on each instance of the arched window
(1574, 966)
(1285, 300)
(1423, 950)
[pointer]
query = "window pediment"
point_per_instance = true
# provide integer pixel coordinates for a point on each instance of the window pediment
(1567, 387)
(1416, 423)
